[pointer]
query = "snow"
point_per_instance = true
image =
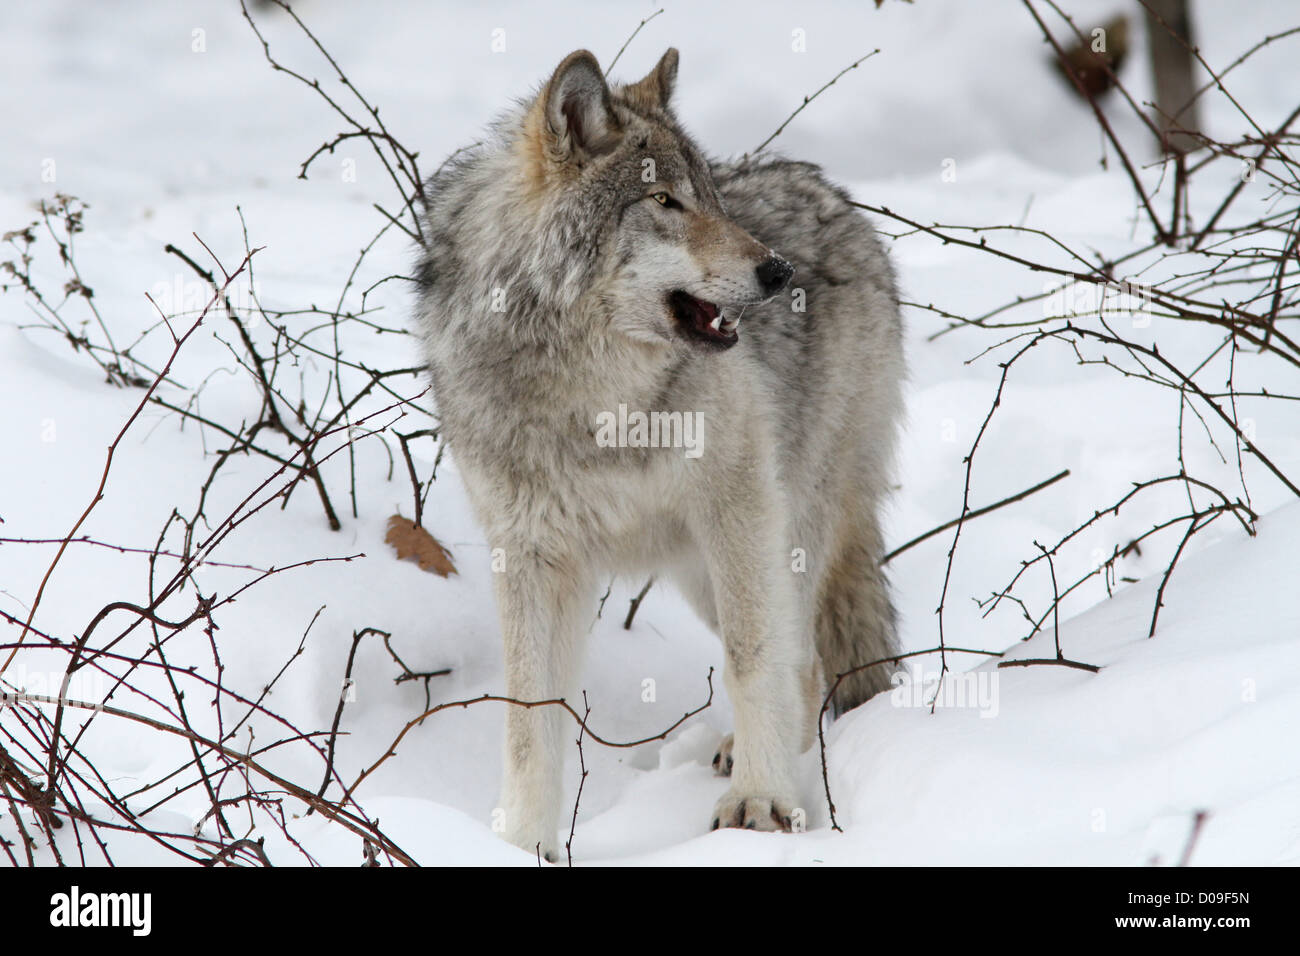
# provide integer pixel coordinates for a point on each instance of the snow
(1073, 767)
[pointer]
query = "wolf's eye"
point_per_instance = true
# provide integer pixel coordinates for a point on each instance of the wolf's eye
(665, 200)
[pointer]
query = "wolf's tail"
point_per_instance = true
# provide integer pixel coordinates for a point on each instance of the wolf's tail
(855, 623)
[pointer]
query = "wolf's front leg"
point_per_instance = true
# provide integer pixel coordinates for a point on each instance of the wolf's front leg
(542, 603)
(767, 652)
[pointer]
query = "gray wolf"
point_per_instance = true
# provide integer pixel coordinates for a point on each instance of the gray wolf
(587, 256)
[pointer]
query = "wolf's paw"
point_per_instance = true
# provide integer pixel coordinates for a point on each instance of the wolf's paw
(752, 812)
(722, 760)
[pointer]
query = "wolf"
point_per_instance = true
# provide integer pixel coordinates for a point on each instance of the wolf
(587, 256)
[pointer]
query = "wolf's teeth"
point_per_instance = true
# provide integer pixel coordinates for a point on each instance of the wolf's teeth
(716, 322)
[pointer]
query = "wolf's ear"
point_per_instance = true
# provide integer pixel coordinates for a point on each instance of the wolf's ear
(655, 89)
(578, 108)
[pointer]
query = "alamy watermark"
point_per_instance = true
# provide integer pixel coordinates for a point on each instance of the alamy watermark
(972, 690)
(86, 685)
(624, 429)
(1123, 299)
(182, 296)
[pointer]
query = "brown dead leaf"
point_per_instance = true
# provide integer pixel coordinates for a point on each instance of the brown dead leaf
(412, 541)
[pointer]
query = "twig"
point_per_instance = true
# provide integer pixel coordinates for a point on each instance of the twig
(635, 604)
(582, 780)
(1198, 823)
(975, 513)
(808, 99)
(343, 698)
(528, 705)
(256, 847)
(609, 69)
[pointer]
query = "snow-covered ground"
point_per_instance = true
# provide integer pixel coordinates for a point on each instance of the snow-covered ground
(165, 117)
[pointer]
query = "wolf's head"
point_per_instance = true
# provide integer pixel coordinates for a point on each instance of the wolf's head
(638, 204)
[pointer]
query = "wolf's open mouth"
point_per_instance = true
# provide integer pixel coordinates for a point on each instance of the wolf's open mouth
(703, 321)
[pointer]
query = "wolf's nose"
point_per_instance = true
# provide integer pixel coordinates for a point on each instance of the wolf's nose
(773, 273)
